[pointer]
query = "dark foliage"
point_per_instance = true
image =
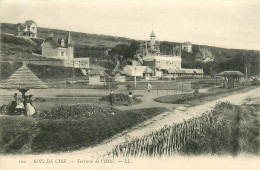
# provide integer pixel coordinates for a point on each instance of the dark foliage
(236, 130)
(37, 135)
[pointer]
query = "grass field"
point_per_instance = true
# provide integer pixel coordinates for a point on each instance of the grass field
(236, 131)
(195, 99)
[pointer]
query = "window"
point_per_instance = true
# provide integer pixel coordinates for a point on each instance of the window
(62, 53)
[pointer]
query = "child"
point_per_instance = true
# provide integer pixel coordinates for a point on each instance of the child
(130, 99)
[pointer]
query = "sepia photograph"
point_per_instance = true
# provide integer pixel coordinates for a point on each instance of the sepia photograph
(129, 84)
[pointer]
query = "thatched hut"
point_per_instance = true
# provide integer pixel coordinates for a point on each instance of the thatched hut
(23, 80)
(233, 78)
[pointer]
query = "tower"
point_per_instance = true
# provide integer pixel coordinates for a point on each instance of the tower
(152, 38)
(70, 44)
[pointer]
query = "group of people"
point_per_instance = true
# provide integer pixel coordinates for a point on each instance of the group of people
(130, 96)
(112, 98)
(22, 106)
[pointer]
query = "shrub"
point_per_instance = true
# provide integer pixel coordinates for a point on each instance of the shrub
(77, 111)
(121, 98)
(256, 82)
(60, 134)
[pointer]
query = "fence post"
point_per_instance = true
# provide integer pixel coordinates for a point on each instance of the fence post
(157, 88)
(167, 88)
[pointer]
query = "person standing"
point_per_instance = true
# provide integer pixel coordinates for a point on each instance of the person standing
(11, 107)
(149, 87)
(29, 108)
(130, 99)
(111, 98)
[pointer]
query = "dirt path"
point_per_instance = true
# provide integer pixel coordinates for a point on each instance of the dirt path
(159, 121)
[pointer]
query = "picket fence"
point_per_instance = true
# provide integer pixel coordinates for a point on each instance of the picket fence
(167, 141)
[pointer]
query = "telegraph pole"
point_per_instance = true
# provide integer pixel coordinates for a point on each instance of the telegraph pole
(135, 77)
(73, 73)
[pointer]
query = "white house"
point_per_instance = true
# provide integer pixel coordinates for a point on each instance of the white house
(138, 71)
(187, 46)
(95, 77)
(120, 76)
(27, 29)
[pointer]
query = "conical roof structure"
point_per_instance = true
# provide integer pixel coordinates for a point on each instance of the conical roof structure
(152, 34)
(23, 78)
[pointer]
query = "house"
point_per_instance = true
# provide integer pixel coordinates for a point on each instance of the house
(63, 48)
(187, 46)
(27, 29)
(95, 77)
(138, 71)
(149, 55)
(120, 76)
(204, 55)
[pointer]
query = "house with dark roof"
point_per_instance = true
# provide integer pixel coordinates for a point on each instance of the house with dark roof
(63, 49)
(27, 29)
(204, 55)
(58, 47)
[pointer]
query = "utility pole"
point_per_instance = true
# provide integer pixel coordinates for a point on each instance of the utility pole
(135, 77)
(73, 73)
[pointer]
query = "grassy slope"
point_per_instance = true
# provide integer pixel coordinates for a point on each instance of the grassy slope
(235, 131)
(86, 45)
(94, 46)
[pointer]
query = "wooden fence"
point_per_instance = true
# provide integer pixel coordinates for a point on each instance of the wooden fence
(167, 141)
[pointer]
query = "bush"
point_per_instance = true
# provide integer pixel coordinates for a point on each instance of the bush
(78, 111)
(256, 82)
(87, 125)
(121, 98)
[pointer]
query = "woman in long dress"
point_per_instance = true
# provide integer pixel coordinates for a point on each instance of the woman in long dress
(29, 108)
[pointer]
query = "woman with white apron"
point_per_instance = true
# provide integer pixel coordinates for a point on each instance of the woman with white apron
(28, 106)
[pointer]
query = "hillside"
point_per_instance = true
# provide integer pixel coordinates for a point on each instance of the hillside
(86, 45)
(95, 47)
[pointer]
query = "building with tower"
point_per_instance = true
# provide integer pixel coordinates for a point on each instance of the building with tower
(161, 65)
(63, 49)
(149, 55)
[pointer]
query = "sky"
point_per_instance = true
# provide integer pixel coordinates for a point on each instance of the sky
(226, 23)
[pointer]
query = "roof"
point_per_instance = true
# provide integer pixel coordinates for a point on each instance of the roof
(96, 72)
(199, 71)
(57, 41)
(152, 34)
(121, 72)
(29, 23)
(187, 42)
(204, 53)
(231, 73)
(148, 70)
(188, 71)
(137, 68)
(23, 78)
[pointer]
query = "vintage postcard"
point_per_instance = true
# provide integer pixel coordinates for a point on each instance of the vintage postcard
(170, 84)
